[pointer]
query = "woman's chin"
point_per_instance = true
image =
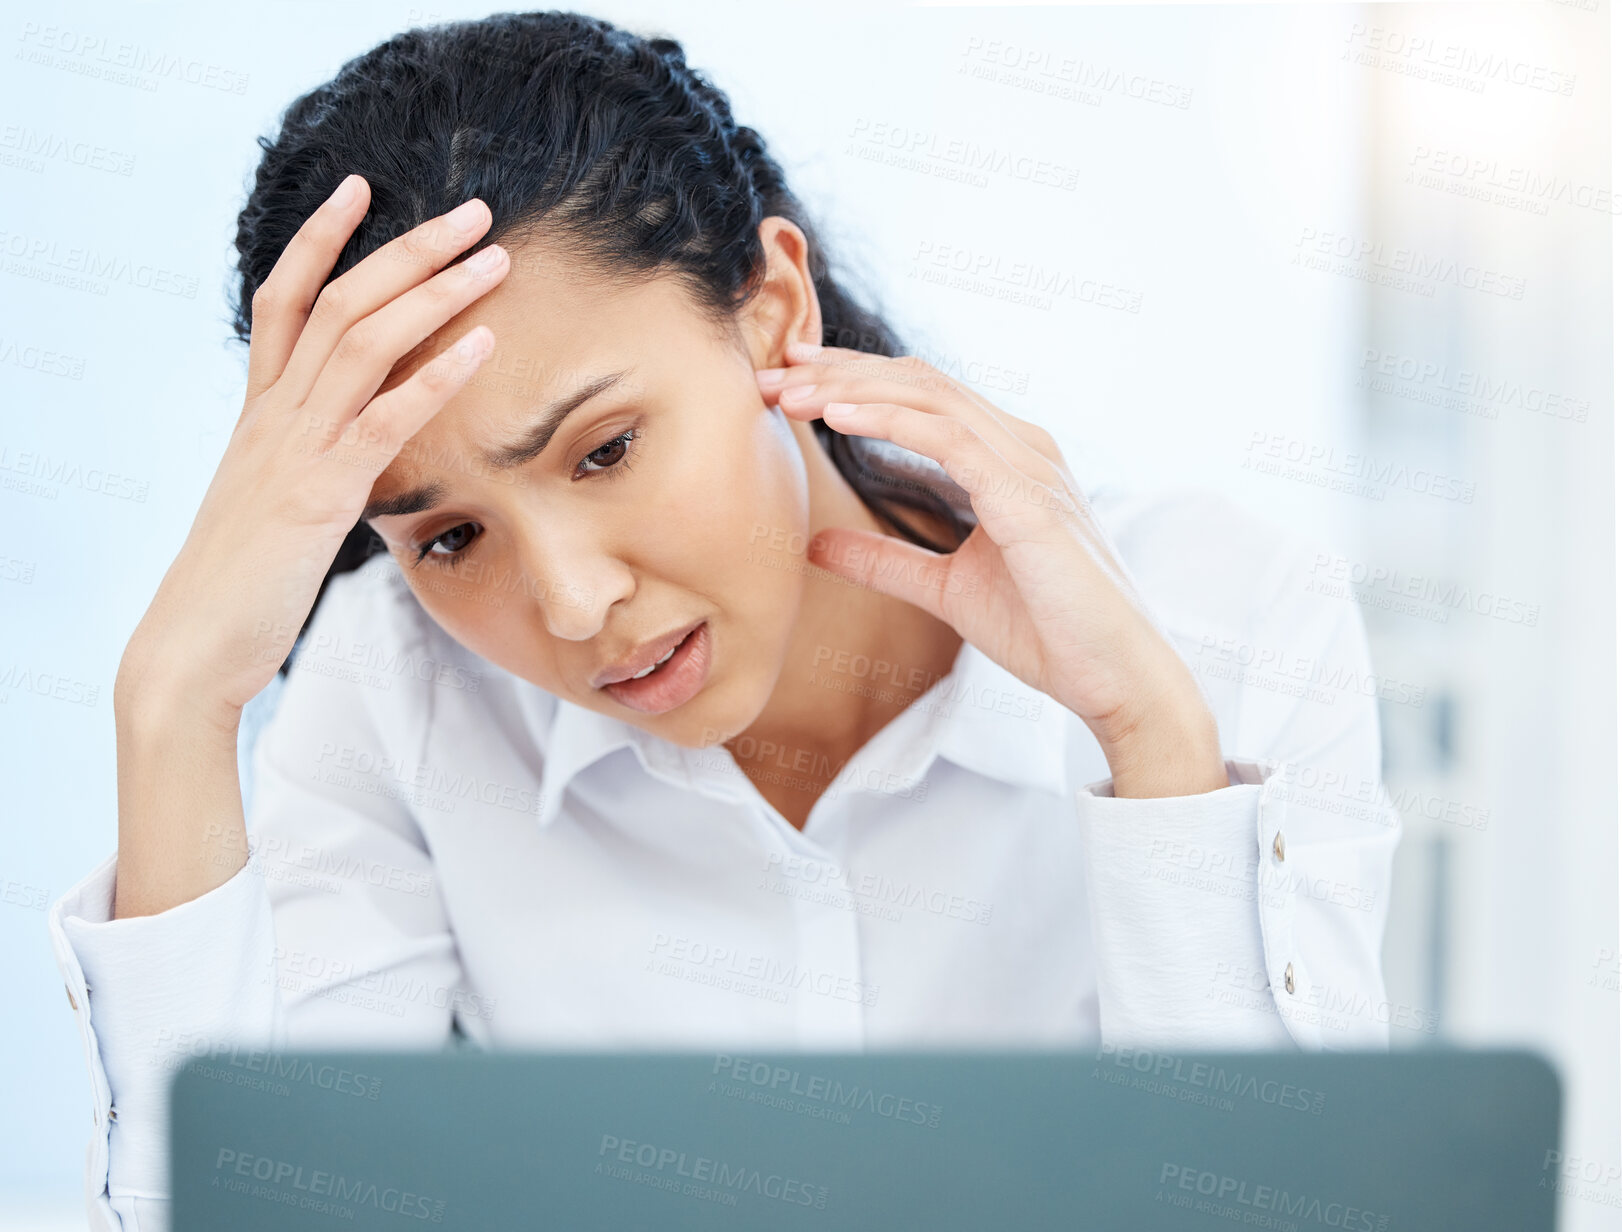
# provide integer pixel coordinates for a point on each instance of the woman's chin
(712, 718)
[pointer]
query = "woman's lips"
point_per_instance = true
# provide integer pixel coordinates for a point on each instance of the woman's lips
(674, 682)
(650, 655)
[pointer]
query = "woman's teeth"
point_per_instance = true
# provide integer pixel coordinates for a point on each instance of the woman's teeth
(648, 670)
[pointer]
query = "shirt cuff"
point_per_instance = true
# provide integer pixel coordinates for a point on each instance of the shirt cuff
(1193, 924)
(150, 992)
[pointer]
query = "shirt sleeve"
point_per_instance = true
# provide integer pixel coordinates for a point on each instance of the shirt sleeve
(1252, 916)
(333, 933)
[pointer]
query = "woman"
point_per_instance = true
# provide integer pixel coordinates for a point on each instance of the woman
(698, 684)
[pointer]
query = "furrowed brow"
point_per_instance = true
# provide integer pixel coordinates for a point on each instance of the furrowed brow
(539, 435)
(530, 445)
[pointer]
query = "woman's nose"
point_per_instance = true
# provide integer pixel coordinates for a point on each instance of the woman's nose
(575, 587)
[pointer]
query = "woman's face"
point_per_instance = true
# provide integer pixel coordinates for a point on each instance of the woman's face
(663, 499)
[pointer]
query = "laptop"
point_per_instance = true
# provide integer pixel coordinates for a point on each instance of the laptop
(1125, 1139)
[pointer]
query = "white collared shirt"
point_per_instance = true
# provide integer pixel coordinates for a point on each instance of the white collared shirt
(435, 840)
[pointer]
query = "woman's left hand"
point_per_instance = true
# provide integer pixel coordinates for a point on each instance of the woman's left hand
(1036, 586)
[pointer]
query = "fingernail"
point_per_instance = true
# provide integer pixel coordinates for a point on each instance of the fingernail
(839, 410)
(466, 216)
(485, 260)
(475, 345)
(346, 192)
(801, 350)
(796, 392)
(770, 376)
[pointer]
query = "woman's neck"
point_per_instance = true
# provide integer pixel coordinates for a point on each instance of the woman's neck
(831, 697)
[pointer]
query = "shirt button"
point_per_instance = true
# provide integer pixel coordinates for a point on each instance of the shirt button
(1278, 846)
(1289, 978)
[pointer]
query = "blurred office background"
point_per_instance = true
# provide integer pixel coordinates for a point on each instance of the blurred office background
(1301, 242)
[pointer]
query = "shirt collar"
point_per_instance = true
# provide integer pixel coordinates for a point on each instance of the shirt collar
(575, 738)
(979, 716)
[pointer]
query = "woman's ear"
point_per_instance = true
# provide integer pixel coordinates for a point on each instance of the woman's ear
(785, 309)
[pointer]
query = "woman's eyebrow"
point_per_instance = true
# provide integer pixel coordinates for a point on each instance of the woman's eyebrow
(412, 500)
(530, 445)
(539, 435)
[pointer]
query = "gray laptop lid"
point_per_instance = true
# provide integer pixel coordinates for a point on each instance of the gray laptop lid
(1132, 1140)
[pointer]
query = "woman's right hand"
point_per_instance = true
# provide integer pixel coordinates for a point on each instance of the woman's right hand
(306, 449)
(296, 474)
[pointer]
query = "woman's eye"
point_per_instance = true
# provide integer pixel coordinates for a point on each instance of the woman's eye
(608, 455)
(448, 543)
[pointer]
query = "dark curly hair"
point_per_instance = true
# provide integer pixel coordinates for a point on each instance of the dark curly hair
(626, 158)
